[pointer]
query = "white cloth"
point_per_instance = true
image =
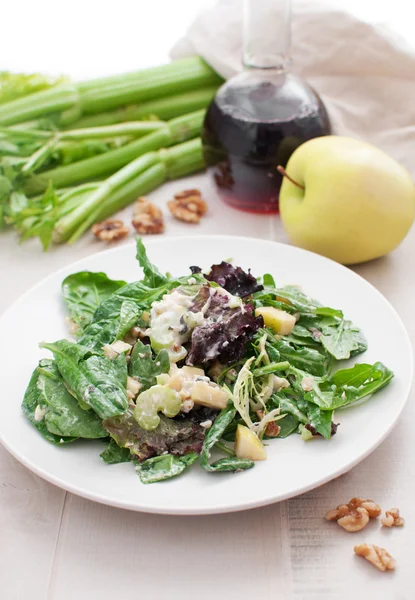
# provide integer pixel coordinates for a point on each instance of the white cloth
(364, 73)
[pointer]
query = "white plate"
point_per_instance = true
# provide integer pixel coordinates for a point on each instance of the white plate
(293, 466)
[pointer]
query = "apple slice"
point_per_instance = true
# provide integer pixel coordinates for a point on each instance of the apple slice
(278, 320)
(248, 445)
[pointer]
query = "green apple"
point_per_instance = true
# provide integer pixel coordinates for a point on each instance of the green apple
(346, 199)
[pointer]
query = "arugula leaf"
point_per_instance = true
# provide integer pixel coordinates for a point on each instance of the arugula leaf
(296, 299)
(356, 383)
(113, 454)
(343, 339)
(324, 311)
(289, 405)
(83, 292)
(152, 276)
(222, 421)
(268, 280)
(164, 467)
(320, 420)
(93, 380)
(305, 358)
(146, 368)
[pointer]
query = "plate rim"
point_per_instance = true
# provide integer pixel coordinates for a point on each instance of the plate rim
(219, 509)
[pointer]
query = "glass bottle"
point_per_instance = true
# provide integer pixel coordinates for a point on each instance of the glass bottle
(259, 117)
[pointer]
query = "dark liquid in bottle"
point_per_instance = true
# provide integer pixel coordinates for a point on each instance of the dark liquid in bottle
(251, 128)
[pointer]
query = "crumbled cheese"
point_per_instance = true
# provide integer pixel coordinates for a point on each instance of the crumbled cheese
(307, 383)
(187, 406)
(113, 350)
(119, 346)
(191, 281)
(133, 386)
(40, 413)
(72, 326)
(206, 424)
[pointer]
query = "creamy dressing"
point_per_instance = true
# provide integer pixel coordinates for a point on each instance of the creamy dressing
(172, 322)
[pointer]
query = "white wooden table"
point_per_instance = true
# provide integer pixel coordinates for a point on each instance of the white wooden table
(56, 546)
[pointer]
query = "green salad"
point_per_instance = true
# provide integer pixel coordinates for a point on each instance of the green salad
(207, 367)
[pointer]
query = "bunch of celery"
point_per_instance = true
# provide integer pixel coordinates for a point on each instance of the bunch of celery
(72, 154)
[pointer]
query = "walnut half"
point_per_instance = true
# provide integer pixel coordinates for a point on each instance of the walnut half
(379, 557)
(188, 206)
(147, 217)
(111, 230)
(392, 518)
(355, 515)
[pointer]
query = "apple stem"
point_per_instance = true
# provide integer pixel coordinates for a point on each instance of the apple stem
(284, 173)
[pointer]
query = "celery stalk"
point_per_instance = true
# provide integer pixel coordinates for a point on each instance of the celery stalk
(176, 130)
(181, 160)
(145, 183)
(162, 108)
(183, 75)
(39, 104)
(110, 93)
(68, 224)
(134, 129)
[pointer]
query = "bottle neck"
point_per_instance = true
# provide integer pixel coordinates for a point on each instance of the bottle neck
(267, 34)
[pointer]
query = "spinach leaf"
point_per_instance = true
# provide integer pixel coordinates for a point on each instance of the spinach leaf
(61, 417)
(288, 425)
(105, 323)
(129, 313)
(32, 399)
(83, 292)
(143, 366)
(222, 421)
(164, 467)
(93, 380)
(152, 276)
(113, 454)
(343, 339)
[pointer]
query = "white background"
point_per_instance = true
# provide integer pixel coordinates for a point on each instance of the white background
(87, 38)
